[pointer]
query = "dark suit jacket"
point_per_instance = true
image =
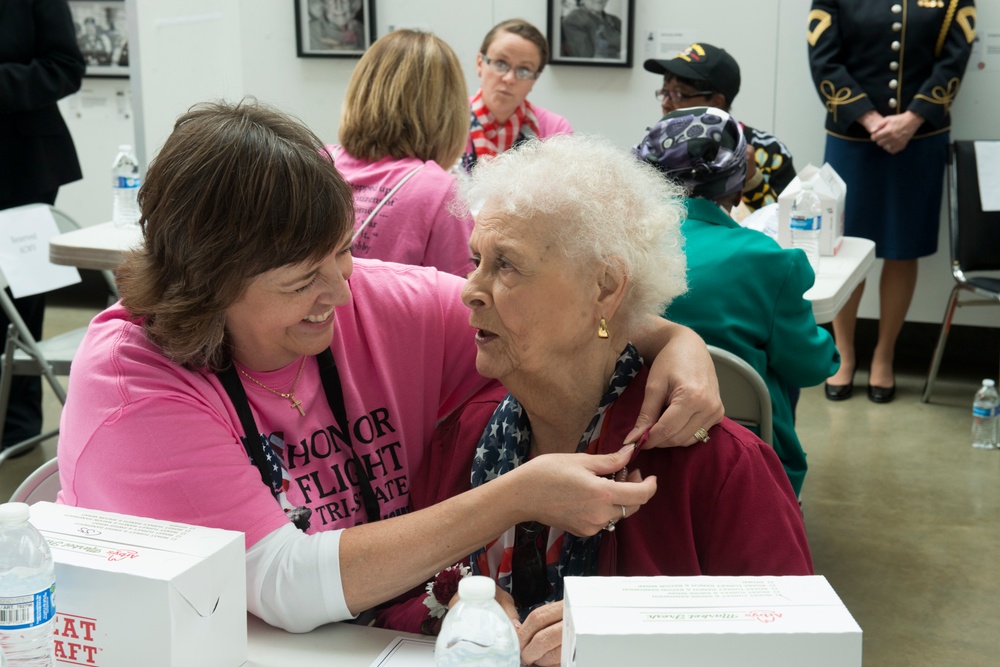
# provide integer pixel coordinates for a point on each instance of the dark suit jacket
(40, 63)
(892, 57)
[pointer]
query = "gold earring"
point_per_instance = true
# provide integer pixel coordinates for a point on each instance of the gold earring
(602, 329)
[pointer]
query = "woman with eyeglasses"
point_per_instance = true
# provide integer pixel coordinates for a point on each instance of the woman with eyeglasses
(511, 58)
(578, 246)
(398, 167)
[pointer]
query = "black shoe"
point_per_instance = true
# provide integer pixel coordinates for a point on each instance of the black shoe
(881, 394)
(839, 392)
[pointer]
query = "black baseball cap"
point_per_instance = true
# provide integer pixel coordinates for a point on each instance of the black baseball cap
(702, 62)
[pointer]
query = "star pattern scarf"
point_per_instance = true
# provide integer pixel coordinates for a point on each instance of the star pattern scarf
(490, 138)
(504, 445)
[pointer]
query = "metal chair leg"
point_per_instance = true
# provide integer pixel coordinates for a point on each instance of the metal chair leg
(942, 339)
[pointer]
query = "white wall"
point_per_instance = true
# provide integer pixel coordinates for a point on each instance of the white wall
(200, 49)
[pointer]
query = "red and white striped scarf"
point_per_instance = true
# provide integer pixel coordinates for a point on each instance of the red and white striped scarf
(490, 138)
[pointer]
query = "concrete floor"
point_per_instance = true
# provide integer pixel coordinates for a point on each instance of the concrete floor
(900, 510)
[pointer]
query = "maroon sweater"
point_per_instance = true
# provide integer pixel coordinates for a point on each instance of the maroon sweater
(724, 507)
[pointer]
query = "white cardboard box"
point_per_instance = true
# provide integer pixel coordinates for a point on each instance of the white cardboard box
(132, 591)
(832, 193)
(707, 622)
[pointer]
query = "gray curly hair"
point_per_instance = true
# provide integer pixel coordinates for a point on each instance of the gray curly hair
(606, 206)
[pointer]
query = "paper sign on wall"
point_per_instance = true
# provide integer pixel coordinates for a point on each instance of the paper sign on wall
(24, 252)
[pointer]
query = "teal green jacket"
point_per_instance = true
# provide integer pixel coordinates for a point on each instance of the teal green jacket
(745, 295)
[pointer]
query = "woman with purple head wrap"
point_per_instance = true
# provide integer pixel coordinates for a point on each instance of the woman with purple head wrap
(701, 148)
(744, 291)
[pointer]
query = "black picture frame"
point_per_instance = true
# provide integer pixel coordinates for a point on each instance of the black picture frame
(102, 35)
(318, 37)
(579, 32)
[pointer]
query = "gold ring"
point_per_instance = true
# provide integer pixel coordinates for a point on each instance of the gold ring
(701, 434)
(623, 511)
(610, 527)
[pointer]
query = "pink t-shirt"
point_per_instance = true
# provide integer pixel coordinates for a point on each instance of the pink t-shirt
(415, 225)
(141, 435)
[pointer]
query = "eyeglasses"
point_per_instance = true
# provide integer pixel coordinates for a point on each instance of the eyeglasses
(501, 67)
(677, 96)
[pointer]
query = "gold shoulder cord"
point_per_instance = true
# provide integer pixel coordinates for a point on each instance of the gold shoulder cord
(948, 17)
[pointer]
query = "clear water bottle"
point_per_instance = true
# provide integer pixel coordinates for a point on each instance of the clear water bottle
(806, 221)
(476, 632)
(3, 658)
(985, 409)
(27, 590)
(125, 181)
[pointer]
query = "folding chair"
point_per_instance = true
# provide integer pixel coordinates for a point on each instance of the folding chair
(975, 245)
(23, 355)
(744, 393)
(42, 484)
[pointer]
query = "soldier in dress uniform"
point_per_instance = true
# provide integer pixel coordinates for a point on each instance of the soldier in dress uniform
(888, 73)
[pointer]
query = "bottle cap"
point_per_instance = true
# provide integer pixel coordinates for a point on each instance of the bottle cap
(476, 588)
(988, 382)
(14, 512)
(125, 148)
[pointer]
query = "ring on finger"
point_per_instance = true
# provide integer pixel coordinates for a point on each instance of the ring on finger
(623, 512)
(701, 434)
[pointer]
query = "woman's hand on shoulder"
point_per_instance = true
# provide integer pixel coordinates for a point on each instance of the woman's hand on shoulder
(682, 378)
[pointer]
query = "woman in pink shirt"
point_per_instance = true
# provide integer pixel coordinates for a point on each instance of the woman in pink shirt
(402, 127)
(255, 377)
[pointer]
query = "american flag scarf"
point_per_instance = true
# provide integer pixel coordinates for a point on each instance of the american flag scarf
(490, 138)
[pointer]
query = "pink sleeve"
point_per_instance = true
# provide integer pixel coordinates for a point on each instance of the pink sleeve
(125, 449)
(448, 243)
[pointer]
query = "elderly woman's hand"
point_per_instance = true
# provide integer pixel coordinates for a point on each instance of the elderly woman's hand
(572, 492)
(682, 377)
(541, 635)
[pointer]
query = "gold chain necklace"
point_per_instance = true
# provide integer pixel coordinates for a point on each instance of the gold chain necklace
(290, 396)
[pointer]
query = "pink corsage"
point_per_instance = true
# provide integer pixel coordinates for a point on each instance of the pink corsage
(443, 587)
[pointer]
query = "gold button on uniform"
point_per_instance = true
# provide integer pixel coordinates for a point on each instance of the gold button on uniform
(894, 84)
(895, 46)
(892, 103)
(894, 66)
(896, 27)
(897, 9)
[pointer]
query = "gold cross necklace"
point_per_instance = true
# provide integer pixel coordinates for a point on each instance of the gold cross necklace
(290, 396)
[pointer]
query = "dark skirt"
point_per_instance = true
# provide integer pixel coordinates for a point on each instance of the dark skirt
(894, 200)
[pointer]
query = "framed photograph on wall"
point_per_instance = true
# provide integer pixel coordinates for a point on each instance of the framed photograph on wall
(591, 32)
(334, 28)
(102, 35)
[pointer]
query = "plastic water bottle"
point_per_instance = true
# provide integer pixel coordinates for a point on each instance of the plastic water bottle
(125, 183)
(476, 632)
(3, 658)
(806, 221)
(985, 408)
(27, 590)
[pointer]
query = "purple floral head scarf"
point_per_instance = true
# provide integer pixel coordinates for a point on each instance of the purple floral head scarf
(701, 148)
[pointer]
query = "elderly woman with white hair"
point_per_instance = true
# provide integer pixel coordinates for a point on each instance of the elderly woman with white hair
(577, 248)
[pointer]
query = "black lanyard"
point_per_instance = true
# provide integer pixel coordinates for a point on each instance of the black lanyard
(254, 443)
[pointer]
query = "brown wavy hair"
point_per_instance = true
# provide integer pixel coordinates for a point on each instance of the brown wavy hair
(521, 28)
(406, 98)
(237, 190)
